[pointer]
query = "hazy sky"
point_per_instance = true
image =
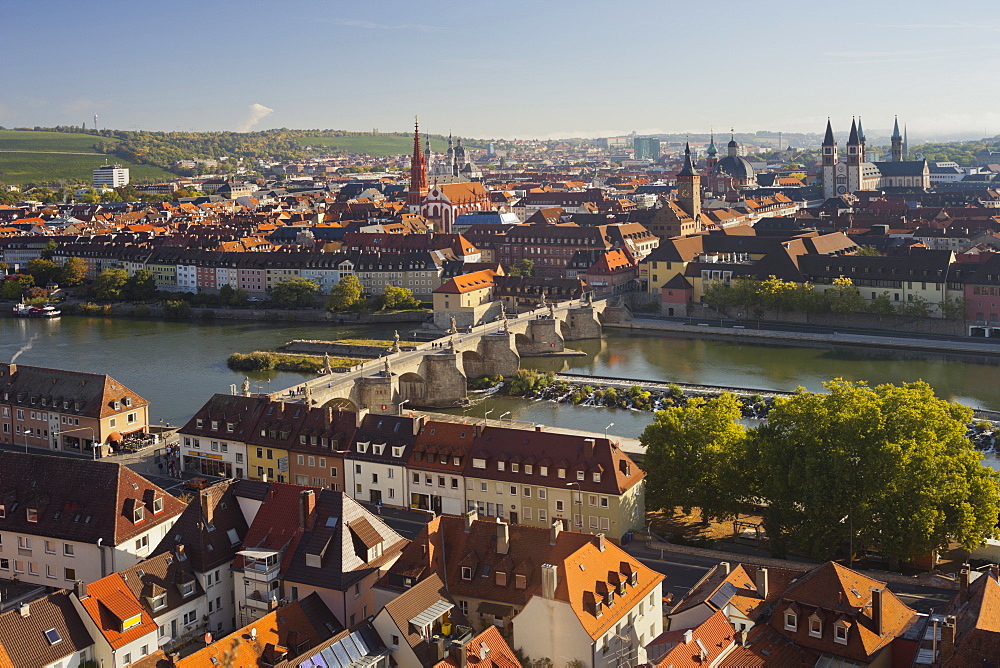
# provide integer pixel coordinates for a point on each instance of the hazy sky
(509, 68)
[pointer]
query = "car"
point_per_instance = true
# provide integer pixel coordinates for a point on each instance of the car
(197, 483)
(256, 300)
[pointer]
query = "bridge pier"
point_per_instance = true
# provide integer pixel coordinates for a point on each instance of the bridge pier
(582, 323)
(377, 393)
(446, 382)
(542, 336)
(498, 354)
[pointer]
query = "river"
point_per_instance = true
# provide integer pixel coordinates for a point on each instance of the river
(179, 365)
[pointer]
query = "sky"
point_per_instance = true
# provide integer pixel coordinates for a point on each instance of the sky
(503, 69)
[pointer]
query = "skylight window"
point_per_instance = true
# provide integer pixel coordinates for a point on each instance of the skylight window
(53, 636)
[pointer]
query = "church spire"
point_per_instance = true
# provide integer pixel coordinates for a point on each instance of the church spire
(688, 168)
(828, 139)
(712, 151)
(895, 129)
(854, 140)
(418, 172)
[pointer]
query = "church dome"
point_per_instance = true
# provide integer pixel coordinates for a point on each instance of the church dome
(732, 143)
(735, 167)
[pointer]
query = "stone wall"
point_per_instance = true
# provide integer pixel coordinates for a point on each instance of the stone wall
(895, 323)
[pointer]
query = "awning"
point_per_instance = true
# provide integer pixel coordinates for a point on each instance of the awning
(115, 436)
(431, 614)
(495, 609)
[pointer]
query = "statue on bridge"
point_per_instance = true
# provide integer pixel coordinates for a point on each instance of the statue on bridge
(552, 310)
(454, 326)
(308, 392)
(542, 302)
(503, 317)
(385, 362)
(327, 369)
(588, 298)
(246, 386)
(451, 344)
(395, 343)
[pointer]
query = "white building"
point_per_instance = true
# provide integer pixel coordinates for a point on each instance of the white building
(111, 176)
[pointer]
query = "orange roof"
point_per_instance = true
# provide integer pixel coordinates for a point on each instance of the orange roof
(487, 650)
(110, 603)
(477, 280)
(589, 570)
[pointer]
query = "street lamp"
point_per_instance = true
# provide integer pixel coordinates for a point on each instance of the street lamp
(486, 416)
(606, 430)
(399, 410)
(503, 416)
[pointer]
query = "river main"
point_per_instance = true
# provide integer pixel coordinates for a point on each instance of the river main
(179, 365)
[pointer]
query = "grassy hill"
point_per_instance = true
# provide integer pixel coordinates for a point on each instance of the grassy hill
(376, 145)
(50, 164)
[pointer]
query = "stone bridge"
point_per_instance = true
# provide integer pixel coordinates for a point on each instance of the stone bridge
(436, 374)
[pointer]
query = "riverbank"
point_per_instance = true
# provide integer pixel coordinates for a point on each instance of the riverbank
(699, 327)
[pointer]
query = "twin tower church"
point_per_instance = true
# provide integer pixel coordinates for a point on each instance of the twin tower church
(851, 172)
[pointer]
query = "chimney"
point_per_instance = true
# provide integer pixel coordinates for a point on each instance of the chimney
(207, 509)
(688, 636)
(307, 503)
(470, 517)
(877, 611)
(550, 580)
(948, 630)
(760, 579)
(80, 589)
(503, 537)
(725, 566)
(459, 654)
(25, 610)
(555, 531)
(588, 448)
(179, 552)
(963, 583)
(539, 427)
(599, 541)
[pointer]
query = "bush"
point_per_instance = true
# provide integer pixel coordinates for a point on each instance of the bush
(177, 310)
(255, 361)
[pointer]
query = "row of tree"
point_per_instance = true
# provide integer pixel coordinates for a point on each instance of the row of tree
(890, 464)
(755, 296)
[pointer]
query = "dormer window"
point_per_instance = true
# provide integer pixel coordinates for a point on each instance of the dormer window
(815, 627)
(158, 602)
(131, 622)
(501, 466)
(466, 573)
(521, 581)
(840, 633)
(501, 578)
(138, 514)
(543, 470)
(215, 425)
(514, 467)
(158, 505)
(597, 476)
(186, 588)
(633, 578)
(201, 423)
(230, 426)
(621, 588)
(3, 511)
(580, 475)
(609, 598)
(598, 609)
(527, 469)
(118, 406)
(791, 621)
(128, 402)
(397, 451)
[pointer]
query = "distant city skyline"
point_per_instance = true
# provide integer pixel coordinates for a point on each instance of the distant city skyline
(524, 70)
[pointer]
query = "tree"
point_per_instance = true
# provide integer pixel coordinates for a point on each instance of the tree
(954, 309)
(74, 270)
(345, 294)
(43, 271)
(869, 251)
(49, 250)
(524, 268)
(687, 450)
(882, 305)
(230, 296)
(110, 285)
(16, 285)
(394, 298)
(845, 296)
(892, 459)
(141, 286)
(294, 292)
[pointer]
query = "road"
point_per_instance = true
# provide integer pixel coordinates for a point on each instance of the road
(683, 571)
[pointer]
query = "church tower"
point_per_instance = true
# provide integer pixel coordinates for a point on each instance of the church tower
(897, 143)
(861, 136)
(830, 162)
(689, 188)
(713, 156)
(418, 173)
(854, 163)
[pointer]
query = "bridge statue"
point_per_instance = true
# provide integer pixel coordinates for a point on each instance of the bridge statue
(503, 317)
(395, 342)
(552, 310)
(327, 369)
(386, 365)
(541, 302)
(246, 386)
(454, 326)
(451, 344)
(308, 392)
(589, 298)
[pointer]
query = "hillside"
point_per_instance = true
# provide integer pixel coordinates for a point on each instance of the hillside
(374, 145)
(43, 157)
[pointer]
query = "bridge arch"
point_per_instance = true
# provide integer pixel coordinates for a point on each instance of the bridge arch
(342, 402)
(412, 386)
(474, 364)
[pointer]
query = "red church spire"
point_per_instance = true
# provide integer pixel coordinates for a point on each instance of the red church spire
(418, 171)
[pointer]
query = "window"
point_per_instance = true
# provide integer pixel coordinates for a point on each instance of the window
(559, 506)
(791, 621)
(158, 602)
(482, 486)
(69, 574)
(542, 493)
(454, 483)
(131, 621)
(50, 572)
(543, 515)
(579, 475)
(142, 543)
(466, 573)
(840, 634)
(50, 547)
(374, 478)
(815, 627)
(527, 492)
(23, 543)
(138, 513)
(32, 514)
(158, 505)
(597, 476)
(190, 617)
(527, 512)
(416, 478)
(4, 564)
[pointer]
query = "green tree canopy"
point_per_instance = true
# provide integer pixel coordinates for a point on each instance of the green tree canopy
(74, 270)
(141, 286)
(394, 298)
(345, 294)
(15, 286)
(524, 268)
(892, 460)
(43, 271)
(294, 292)
(110, 285)
(49, 250)
(687, 451)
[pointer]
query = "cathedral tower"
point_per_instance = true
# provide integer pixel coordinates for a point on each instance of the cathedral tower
(854, 159)
(830, 162)
(689, 187)
(418, 173)
(897, 143)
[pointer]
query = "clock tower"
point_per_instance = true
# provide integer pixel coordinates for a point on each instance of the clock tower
(689, 188)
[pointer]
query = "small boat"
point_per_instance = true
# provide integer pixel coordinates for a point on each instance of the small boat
(25, 311)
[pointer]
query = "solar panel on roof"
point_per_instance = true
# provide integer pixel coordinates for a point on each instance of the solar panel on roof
(352, 648)
(341, 654)
(328, 658)
(720, 598)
